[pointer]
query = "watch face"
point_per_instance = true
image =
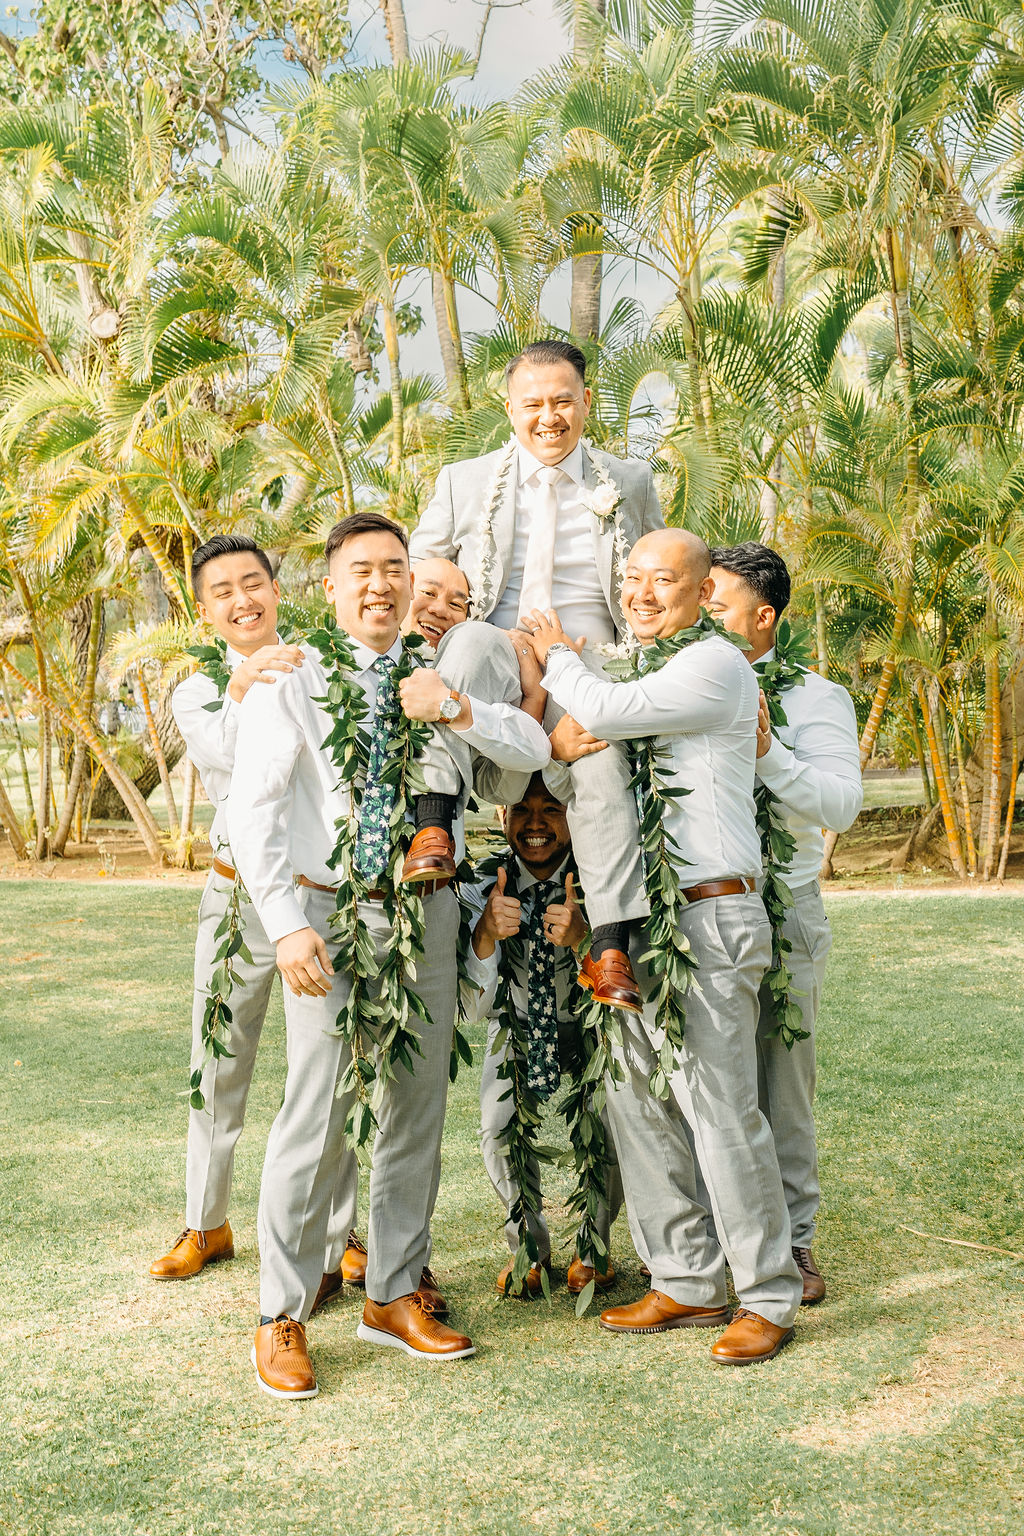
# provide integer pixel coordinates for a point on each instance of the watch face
(449, 709)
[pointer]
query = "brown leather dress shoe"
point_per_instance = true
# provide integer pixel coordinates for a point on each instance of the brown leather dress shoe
(353, 1262)
(282, 1360)
(431, 856)
(192, 1252)
(611, 980)
(406, 1324)
(429, 1294)
(657, 1313)
(580, 1276)
(748, 1339)
(329, 1287)
(532, 1283)
(810, 1274)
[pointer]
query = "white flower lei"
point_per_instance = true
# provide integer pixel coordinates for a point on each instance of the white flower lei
(483, 586)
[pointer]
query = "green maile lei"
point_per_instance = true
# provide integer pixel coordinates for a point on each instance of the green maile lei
(377, 1028)
(592, 1057)
(786, 670)
(377, 1019)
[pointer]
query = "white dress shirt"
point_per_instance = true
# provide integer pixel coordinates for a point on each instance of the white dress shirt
(576, 591)
(814, 769)
(285, 797)
(507, 735)
(484, 973)
(209, 737)
(702, 705)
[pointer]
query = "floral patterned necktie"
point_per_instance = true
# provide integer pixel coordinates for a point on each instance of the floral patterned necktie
(373, 840)
(542, 1070)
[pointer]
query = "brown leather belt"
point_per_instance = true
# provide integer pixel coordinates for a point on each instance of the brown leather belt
(720, 888)
(224, 870)
(331, 890)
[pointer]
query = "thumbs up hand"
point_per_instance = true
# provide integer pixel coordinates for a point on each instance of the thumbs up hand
(499, 920)
(563, 920)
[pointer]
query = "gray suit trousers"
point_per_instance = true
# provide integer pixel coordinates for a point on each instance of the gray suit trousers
(786, 1079)
(714, 1097)
(495, 1113)
(214, 1130)
(307, 1144)
(600, 807)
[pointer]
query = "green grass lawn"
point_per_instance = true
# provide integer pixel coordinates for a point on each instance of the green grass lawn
(130, 1406)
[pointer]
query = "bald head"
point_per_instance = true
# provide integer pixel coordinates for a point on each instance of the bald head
(440, 598)
(667, 582)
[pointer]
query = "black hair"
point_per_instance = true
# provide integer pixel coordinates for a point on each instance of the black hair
(227, 544)
(550, 351)
(363, 522)
(763, 569)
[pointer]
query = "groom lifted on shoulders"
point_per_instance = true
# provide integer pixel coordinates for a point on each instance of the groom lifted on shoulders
(547, 521)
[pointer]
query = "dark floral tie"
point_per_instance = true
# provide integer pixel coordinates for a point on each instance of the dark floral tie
(373, 840)
(542, 1070)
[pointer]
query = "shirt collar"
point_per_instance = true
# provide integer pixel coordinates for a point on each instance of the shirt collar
(525, 880)
(571, 465)
(365, 657)
(233, 658)
(763, 661)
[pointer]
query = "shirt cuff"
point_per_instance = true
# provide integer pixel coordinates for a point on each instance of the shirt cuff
(482, 973)
(777, 763)
(556, 665)
(281, 915)
(485, 728)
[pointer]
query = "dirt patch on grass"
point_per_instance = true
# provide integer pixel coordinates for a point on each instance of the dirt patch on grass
(956, 1371)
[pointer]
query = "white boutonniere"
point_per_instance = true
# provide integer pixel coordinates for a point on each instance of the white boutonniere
(602, 500)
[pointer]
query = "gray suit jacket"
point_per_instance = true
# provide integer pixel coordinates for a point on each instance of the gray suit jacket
(453, 524)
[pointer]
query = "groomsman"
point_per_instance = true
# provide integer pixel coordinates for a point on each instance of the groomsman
(237, 597)
(283, 811)
(533, 889)
(702, 706)
(813, 768)
(547, 520)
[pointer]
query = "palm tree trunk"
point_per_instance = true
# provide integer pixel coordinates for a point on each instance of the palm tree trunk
(396, 29)
(158, 753)
(993, 740)
(11, 825)
(922, 761)
(965, 800)
(455, 335)
(444, 335)
(183, 857)
(173, 586)
(391, 347)
(19, 741)
(586, 270)
(42, 844)
(820, 631)
(77, 774)
(949, 820)
(1004, 852)
(136, 807)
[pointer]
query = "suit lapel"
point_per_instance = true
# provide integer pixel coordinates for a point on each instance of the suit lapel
(603, 534)
(503, 528)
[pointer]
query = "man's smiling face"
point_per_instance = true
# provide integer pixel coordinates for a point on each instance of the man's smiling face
(537, 830)
(548, 405)
(239, 599)
(666, 583)
(370, 588)
(440, 599)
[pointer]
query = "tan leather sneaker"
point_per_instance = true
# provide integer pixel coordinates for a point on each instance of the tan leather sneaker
(429, 1293)
(749, 1339)
(657, 1313)
(580, 1276)
(353, 1262)
(406, 1324)
(281, 1359)
(810, 1274)
(532, 1285)
(329, 1287)
(192, 1252)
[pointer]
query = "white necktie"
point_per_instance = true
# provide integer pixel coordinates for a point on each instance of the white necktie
(540, 546)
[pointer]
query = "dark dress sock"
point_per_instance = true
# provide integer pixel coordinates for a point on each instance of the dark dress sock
(436, 811)
(610, 936)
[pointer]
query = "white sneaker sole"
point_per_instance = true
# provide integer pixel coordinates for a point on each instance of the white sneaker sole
(288, 1397)
(376, 1336)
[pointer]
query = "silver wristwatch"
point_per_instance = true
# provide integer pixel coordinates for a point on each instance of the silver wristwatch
(451, 708)
(559, 645)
